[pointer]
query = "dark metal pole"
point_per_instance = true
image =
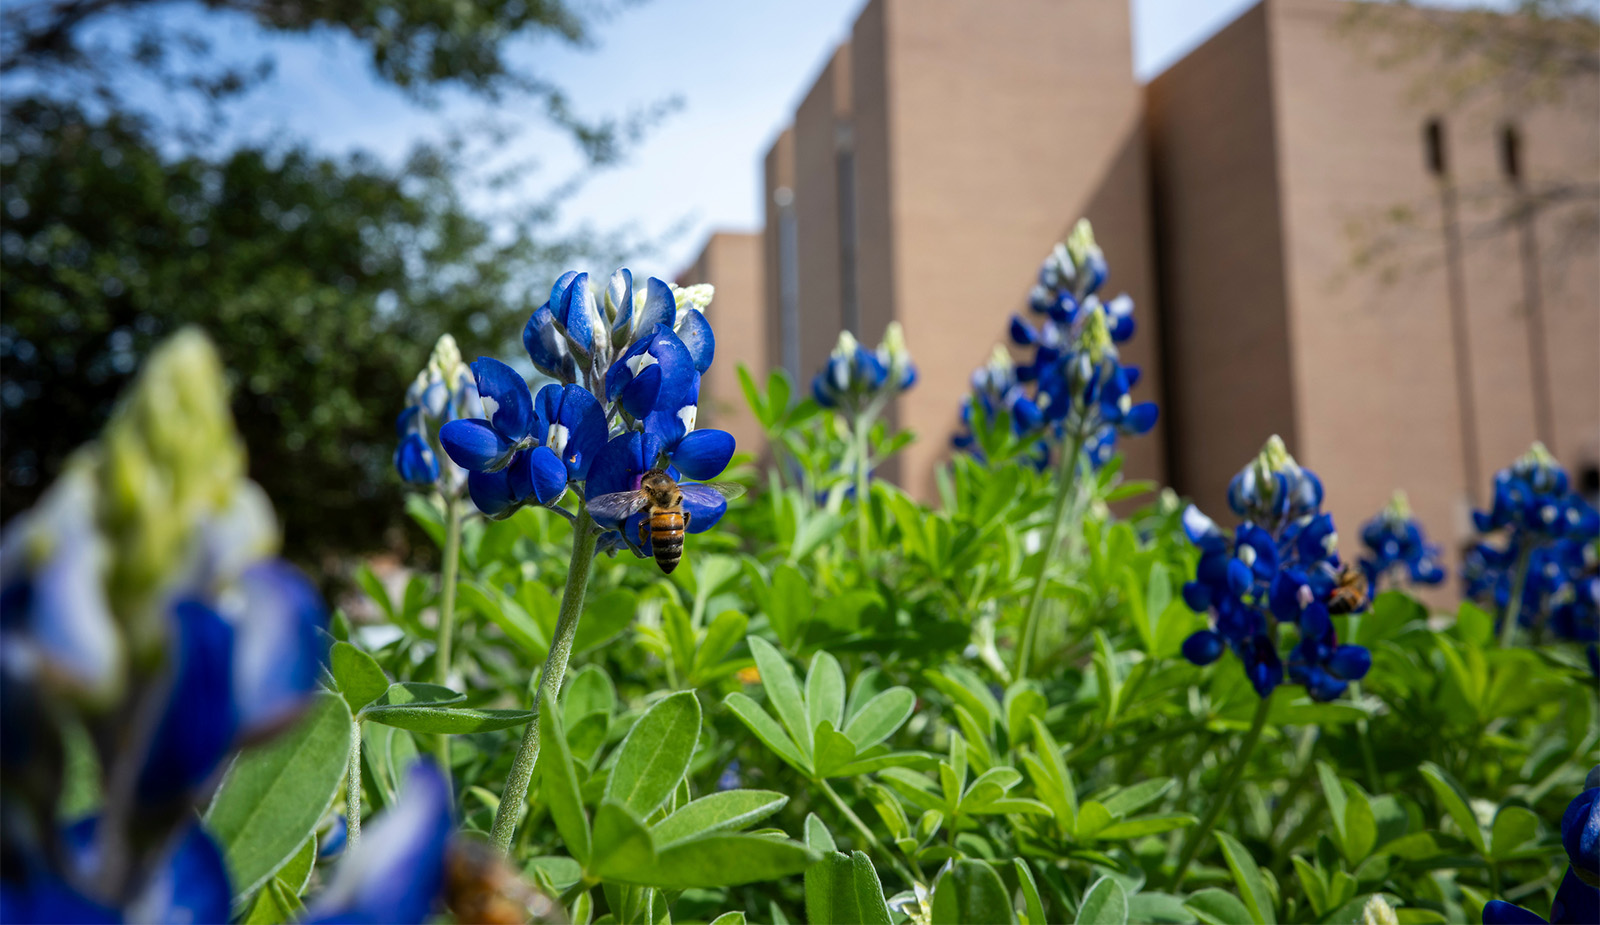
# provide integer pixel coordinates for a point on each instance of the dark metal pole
(1438, 165)
(1532, 294)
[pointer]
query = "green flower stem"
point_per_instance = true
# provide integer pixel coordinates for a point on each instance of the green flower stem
(352, 787)
(872, 840)
(447, 613)
(1066, 477)
(863, 438)
(1519, 582)
(1223, 797)
(555, 671)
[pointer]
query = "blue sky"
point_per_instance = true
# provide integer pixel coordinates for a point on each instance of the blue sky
(739, 68)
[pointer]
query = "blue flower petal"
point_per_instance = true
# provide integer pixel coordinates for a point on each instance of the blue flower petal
(1196, 596)
(1350, 663)
(544, 343)
(493, 493)
(695, 332)
(199, 720)
(703, 505)
(278, 646)
(415, 462)
(578, 311)
(619, 295)
(1580, 830)
(1577, 902)
(1203, 647)
(1500, 912)
(545, 473)
(475, 446)
(191, 885)
(586, 430)
(703, 454)
(512, 416)
(1140, 418)
(396, 872)
(660, 308)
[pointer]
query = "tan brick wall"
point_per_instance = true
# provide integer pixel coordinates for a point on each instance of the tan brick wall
(777, 174)
(822, 115)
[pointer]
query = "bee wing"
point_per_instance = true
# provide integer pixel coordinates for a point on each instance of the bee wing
(704, 502)
(610, 510)
(729, 490)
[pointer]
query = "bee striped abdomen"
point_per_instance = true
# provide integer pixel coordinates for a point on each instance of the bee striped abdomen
(666, 538)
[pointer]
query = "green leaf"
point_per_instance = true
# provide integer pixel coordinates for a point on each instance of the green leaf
(1106, 903)
(721, 636)
(1032, 905)
(1158, 909)
(715, 812)
(1454, 803)
(622, 846)
(971, 893)
(297, 872)
(655, 755)
(818, 838)
(1132, 799)
(783, 692)
(275, 904)
(589, 691)
(273, 797)
(447, 720)
(358, 675)
(510, 616)
(1361, 828)
(373, 585)
(834, 751)
(1140, 826)
(845, 889)
(1513, 827)
(1248, 878)
(789, 604)
(1092, 819)
(880, 717)
(1217, 907)
(559, 788)
(604, 618)
(729, 918)
(419, 694)
(1314, 884)
(1333, 792)
(718, 859)
(767, 730)
(825, 691)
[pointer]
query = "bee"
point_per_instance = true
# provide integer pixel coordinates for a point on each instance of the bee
(479, 886)
(662, 497)
(1349, 590)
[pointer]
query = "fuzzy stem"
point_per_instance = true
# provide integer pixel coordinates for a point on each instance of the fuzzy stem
(1519, 582)
(863, 437)
(352, 788)
(1224, 796)
(1067, 476)
(555, 671)
(447, 613)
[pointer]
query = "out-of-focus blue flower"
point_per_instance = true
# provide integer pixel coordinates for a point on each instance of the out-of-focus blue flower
(858, 381)
(1396, 545)
(444, 391)
(1550, 532)
(396, 873)
(730, 779)
(158, 593)
(1280, 566)
(1073, 389)
(1577, 899)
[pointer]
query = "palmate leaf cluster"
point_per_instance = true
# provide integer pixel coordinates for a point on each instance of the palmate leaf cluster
(784, 730)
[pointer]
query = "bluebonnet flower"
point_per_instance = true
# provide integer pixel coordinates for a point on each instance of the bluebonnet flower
(1279, 566)
(858, 381)
(1550, 547)
(397, 872)
(730, 778)
(627, 364)
(142, 598)
(997, 391)
(1074, 388)
(1577, 899)
(443, 391)
(1396, 545)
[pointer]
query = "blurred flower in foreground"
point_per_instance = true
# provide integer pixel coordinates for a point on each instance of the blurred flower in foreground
(1577, 899)
(1545, 572)
(1397, 546)
(141, 599)
(1279, 567)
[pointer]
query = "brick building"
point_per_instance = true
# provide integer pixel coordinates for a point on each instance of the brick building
(950, 143)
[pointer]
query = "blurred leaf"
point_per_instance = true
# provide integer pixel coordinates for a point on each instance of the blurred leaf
(1106, 903)
(969, 892)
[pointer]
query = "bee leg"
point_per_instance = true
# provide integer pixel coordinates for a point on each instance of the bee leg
(686, 520)
(643, 524)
